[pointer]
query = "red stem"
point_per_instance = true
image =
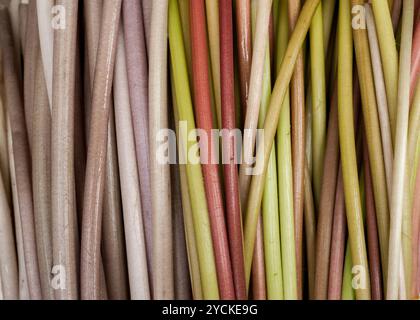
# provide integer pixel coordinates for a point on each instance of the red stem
(244, 44)
(338, 242)
(416, 238)
(210, 169)
(259, 289)
(230, 168)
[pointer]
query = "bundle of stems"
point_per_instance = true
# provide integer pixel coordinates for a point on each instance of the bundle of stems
(233, 150)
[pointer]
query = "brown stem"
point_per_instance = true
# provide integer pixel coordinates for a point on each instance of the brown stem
(95, 169)
(21, 153)
(298, 146)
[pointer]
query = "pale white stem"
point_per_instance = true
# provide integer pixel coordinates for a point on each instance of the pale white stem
(130, 185)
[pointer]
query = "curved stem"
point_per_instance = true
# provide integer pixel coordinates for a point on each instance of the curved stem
(162, 260)
(137, 71)
(96, 158)
(130, 186)
(319, 106)
(400, 156)
(372, 231)
(255, 92)
(270, 127)
(210, 170)
(212, 15)
(298, 145)
(373, 135)
(244, 44)
(185, 116)
(21, 154)
(380, 97)
(389, 56)
(348, 149)
(230, 169)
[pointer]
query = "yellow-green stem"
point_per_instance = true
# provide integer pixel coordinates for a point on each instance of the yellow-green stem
(319, 112)
(389, 56)
(270, 126)
(348, 148)
(373, 136)
(284, 167)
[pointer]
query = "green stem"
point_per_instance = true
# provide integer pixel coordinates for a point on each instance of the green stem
(270, 128)
(389, 57)
(319, 108)
(284, 164)
(270, 206)
(348, 148)
(193, 170)
(373, 136)
(347, 292)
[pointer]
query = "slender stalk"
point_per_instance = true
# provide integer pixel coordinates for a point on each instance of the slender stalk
(191, 245)
(113, 261)
(137, 71)
(193, 169)
(23, 18)
(23, 279)
(20, 151)
(338, 242)
(396, 14)
(159, 173)
(230, 171)
(396, 240)
(319, 106)
(348, 149)
(411, 185)
(30, 55)
(212, 15)
(8, 260)
(210, 169)
(184, 9)
(96, 158)
(4, 157)
(270, 127)
(258, 273)
(347, 292)
(190, 237)
(147, 9)
(298, 145)
(373, 135)
(182, 282)
(255, 92)
(93, 17)
(41, 176)
(415, 285)
(310, 233)
(244, 44)
(270, 206)
(13, 8)
(46, 38)
(381, 97)
(328, 9)
(372, 231)
(284, 164)
(415, 60)
(389, 56)
(326, 204)
(130, 187)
